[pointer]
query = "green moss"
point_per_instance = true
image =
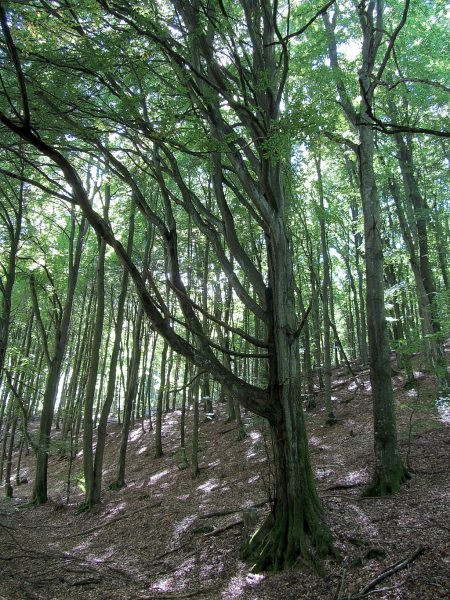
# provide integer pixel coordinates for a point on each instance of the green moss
(389, 484)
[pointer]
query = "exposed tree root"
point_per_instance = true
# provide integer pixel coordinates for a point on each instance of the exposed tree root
(277, 545)
(390, 484)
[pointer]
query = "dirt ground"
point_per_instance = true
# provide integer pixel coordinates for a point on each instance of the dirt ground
(167, 535)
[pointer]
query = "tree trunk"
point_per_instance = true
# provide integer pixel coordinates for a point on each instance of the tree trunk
(51, 386)
(159, 403)
(95, 496)
(296, 512)
(389, 471)
(130, 398)
(331, 418)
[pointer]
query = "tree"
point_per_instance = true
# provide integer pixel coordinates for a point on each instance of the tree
(389, 472)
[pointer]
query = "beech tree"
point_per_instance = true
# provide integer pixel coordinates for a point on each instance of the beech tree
(185, 108)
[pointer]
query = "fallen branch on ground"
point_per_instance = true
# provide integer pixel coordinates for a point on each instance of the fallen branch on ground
(398, 566)
(223, 513)
(221, 529)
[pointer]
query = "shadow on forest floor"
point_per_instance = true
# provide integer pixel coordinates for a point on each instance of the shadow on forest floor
(167, 535)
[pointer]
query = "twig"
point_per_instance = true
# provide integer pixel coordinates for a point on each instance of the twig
(228, 430)
(362, 596)
(341, 585)
(223, 513)
(344, 486)
(391, 570)
(221, 529)
(158, 558)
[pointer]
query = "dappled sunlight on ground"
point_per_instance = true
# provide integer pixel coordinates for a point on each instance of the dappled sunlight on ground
(238, 585)
(181, 526)
(314, 440)
(116, 510)
(323, 473)
(136, 434)
(209, 486)
(183, 497)
(355, 477)
(443, 408)
(157, 476)
(169, 535)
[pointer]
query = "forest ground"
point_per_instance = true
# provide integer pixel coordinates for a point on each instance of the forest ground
(167, 535)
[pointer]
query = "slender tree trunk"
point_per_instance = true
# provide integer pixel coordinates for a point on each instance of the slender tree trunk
(95, 495)
(159, 403)
(389, 472)
(195, 429)
(54, 370)
(130, 398)
(14, 228)
(331, 418)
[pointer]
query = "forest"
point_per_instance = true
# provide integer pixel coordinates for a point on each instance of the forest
(224, 299)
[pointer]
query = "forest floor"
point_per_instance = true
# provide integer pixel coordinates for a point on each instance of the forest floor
(167, 535)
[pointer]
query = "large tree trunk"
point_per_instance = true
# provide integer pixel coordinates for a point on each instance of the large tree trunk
(295, 527)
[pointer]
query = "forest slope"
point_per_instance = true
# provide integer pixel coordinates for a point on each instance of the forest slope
(167, 535)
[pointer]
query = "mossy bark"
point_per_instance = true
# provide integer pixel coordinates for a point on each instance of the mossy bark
(295, 530)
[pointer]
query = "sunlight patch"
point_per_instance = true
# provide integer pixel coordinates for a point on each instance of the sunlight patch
(117, 510)
(142, 450)
(136, 434)
(255, 435)
(237, 585)
(209, 486)
(356, 476)
(162, 585)
(443, 408)
(157, 476)
(254, 579)
(314, 440)
(181, 527)
(323, 473)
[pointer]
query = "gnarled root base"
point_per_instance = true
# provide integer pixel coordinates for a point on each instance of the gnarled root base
(278, 544)
(387, 484)
(117, 485)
